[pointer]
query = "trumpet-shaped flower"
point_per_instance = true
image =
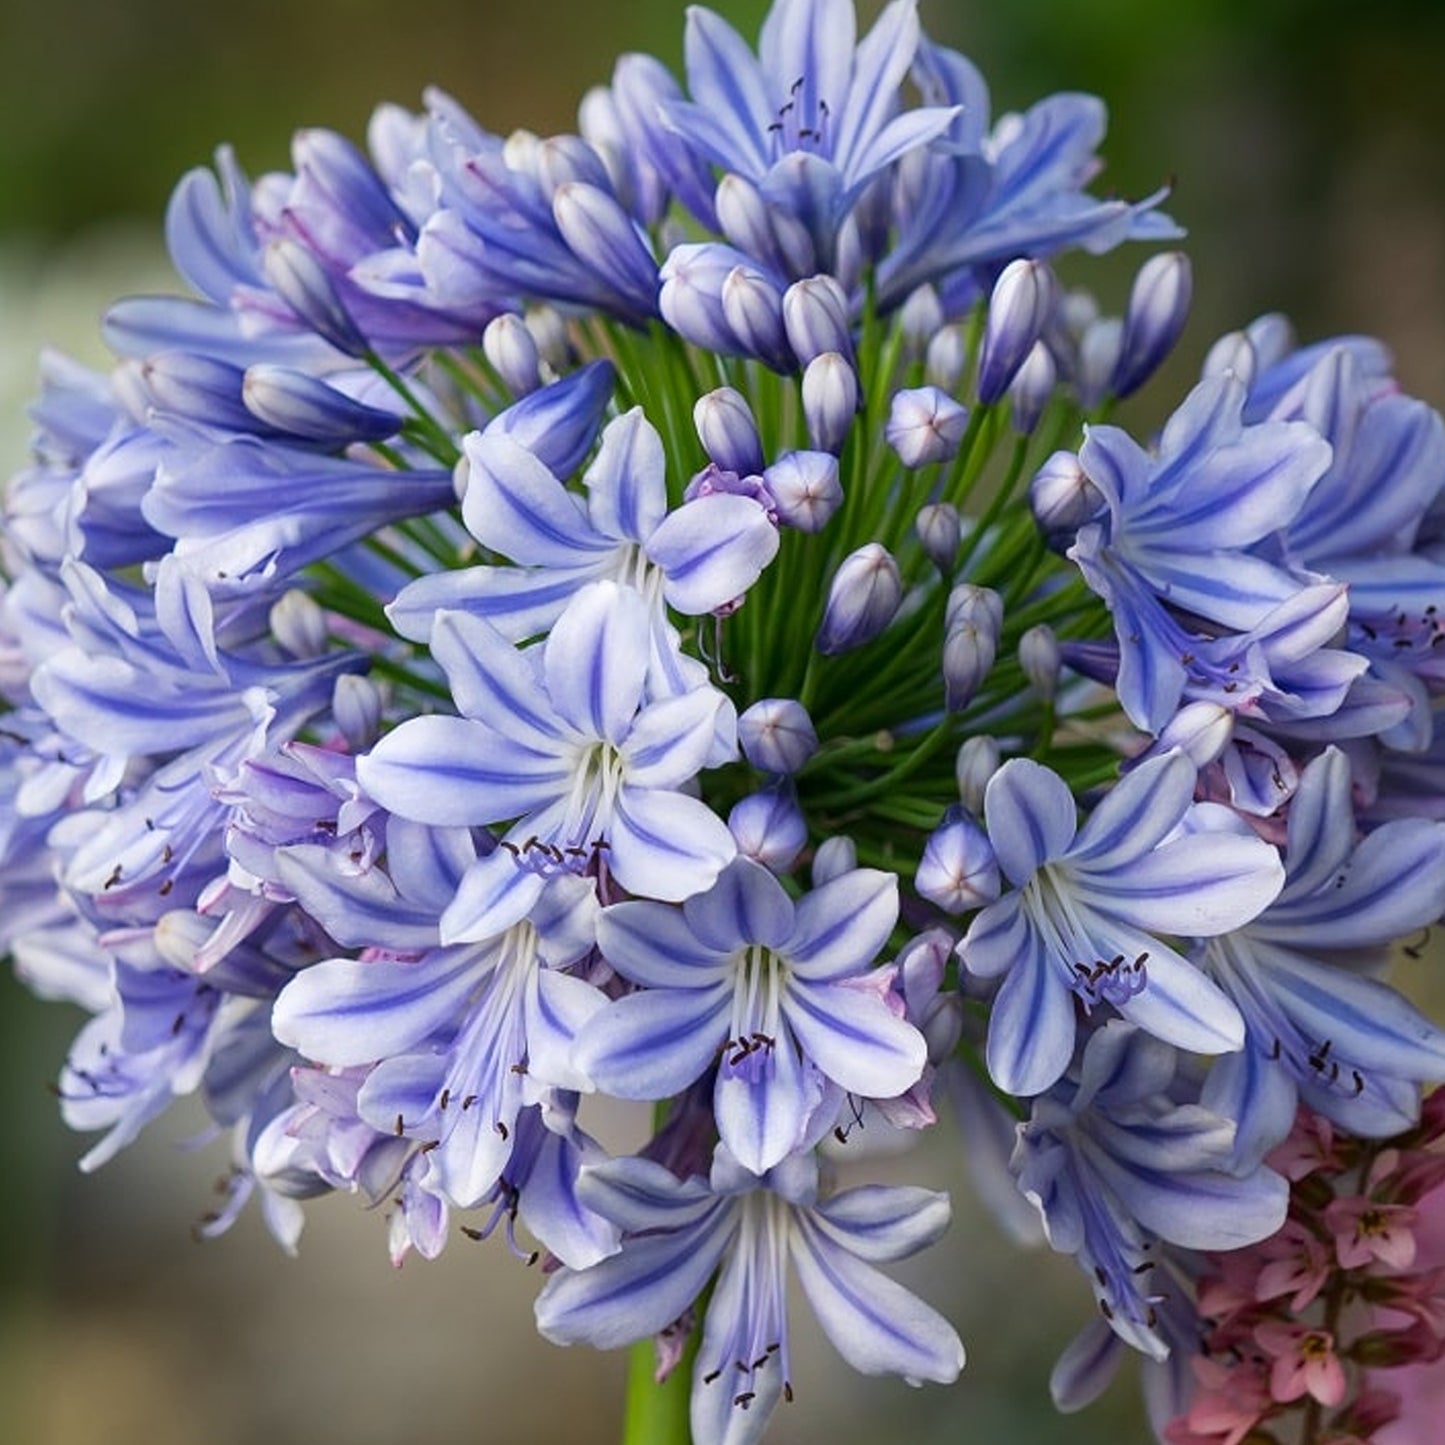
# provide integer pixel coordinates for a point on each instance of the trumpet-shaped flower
(1082, 924)
(777, 993)
(810, 119)
(557, 741)
(746, 1229)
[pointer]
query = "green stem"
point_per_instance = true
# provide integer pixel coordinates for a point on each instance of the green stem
(657, 1414)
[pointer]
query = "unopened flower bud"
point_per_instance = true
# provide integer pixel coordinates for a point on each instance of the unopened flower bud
(920, 316)
(777, 735)
(753, 310)
(549, 331)
(728, 433)
(558, 423)
(769, 826)
(1158, 309)
(1031, 388)
(815, 313)
(299, 624)
(1272, 337)
(944, 360)
(958, 870)
(1022, 298)
(562, 160)
(765, 232)
(302, 282)
(512, 350)
(940, 530)
(304, 406)
(356, 706)
(969, 651)
(1062, 496)
(925, 425)
(601, 234)
(832, 858)
(968, 602)
(1232, 354)
(198, 388)
(805, 488)
(691, 296)
(830, 400)
(1098, 356)
(1039, 657)
(978, 760)
(862, 600)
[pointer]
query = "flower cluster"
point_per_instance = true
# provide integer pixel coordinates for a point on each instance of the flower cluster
(661, 613)
(1353, 1282)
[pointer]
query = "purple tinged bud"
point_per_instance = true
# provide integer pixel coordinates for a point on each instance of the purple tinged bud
(970, 603)
(198, 388)
(728, 432)
(691, 296)
(777, 735)
(769, 826)
(940, 530)
(304, 285)
(969, 651)
(921, 317)
(1040, 659)
(1272, 336)
(978, 760)
(512, 350)
(958, 870)
(604, 237)
(1233, 354)
(830, 400)
(925, 425)
(753, 310)
(756, 229)
(558, 423)
(299, 624)
(863, 599)
(815, 313)
(805, 489)
(972, 622)
(304, 406)
(1032, 386)
(356, 706)
(946, 356)
(549, 330)
(713, 480)
(1200, 730)
(1018, 310)
(832, 858)
(1062, 496)
(1158, 309)
(1098, 356)
(567, 159)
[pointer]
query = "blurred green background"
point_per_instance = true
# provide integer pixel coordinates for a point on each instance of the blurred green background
(1304, 137)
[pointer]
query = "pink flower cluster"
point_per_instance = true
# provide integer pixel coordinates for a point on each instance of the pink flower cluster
(1333, 1330)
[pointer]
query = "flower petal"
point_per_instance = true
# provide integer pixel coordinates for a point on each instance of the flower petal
(873, 1322)
(653, 1044)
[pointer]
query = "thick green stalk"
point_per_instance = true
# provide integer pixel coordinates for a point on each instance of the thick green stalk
(657, 1414)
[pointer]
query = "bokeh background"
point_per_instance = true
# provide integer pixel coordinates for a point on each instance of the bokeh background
(1304, 140)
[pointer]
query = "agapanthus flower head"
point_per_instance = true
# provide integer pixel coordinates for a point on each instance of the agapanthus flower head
(658, 613)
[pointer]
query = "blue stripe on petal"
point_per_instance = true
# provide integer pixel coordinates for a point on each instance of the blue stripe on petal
(873, 1322)
(653, 1044)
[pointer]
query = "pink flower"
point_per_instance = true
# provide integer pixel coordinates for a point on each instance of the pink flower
(1298, 1265)
(1305, 1362)
(1365, 1232)
(1230, 1402)
(1310, 1146)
